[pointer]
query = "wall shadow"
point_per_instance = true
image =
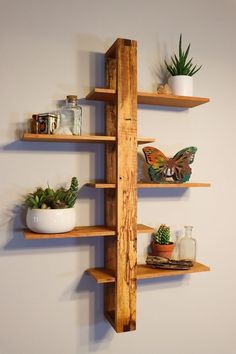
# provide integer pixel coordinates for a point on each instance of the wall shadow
(17, 245)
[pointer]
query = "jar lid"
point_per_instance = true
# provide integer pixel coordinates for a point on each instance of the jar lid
(71, 98)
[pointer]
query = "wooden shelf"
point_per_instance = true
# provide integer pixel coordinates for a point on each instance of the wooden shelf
(78, 138)
(101, 185)
(83, 231)
(149, 98)
(102, 275)
(144, 229)
(68, 138)
(146, 272)
(79, 231)
(101, 94)
(172, 185)
(170, 100)
(145, 140)
(150, 185)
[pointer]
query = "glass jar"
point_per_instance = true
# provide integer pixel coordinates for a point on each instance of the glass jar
(71, 117)
(188, 245)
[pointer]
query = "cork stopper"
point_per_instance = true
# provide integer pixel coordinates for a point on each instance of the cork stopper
(71, 98)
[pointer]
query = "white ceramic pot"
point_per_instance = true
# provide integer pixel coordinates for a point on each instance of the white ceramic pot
(181, 85)
(51, 220)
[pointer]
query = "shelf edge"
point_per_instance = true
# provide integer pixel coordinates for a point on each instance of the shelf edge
(68, 138)
(173, 185)
(151, 185)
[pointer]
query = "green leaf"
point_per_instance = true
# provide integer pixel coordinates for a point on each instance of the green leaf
(193, 71)
(180, 46)
(170, 69)
(175, 61)
(186, 53)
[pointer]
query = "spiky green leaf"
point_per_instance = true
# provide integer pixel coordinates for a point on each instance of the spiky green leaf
(181, 65)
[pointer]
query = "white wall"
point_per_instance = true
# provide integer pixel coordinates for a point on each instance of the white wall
(49, 49)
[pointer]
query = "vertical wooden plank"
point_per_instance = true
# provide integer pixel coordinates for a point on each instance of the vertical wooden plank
(121, 168)
(126, 87)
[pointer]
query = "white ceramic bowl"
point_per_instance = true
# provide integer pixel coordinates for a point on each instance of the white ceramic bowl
(51, 220)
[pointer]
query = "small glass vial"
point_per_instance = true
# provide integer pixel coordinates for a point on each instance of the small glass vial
(188, 245)
(71, 117)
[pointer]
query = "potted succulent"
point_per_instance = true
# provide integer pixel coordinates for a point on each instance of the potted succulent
(51, 211)
(181, 70)
(161, 245)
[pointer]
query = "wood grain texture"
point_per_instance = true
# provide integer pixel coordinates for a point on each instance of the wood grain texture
(144, 271)
(112, 51)
(121, 171)
(126, 186)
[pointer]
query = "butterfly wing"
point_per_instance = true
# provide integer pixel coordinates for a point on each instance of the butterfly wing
(182, 160)
(154, 157)
(186, 154)
(157, 160)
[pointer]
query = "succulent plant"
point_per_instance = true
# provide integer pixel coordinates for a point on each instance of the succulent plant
(49, 198)
(162, 235)
(181, 65)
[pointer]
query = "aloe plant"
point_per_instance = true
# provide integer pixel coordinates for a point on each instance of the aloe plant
(49, 198)
(162, 235)
(181, 65)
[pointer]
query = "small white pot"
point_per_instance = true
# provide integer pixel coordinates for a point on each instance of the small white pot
(50, 221)
(181, 85)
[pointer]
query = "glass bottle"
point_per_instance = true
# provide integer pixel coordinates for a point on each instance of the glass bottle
(71, 116)
(188, 245)
(178, 235)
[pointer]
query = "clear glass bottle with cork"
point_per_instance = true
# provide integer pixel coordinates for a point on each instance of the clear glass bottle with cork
(71, 117)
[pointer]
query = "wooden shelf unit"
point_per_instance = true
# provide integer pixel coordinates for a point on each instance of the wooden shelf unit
(102, 275)
(121, 272)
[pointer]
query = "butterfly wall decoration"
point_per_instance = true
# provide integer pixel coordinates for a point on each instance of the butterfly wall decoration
(169, 170)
